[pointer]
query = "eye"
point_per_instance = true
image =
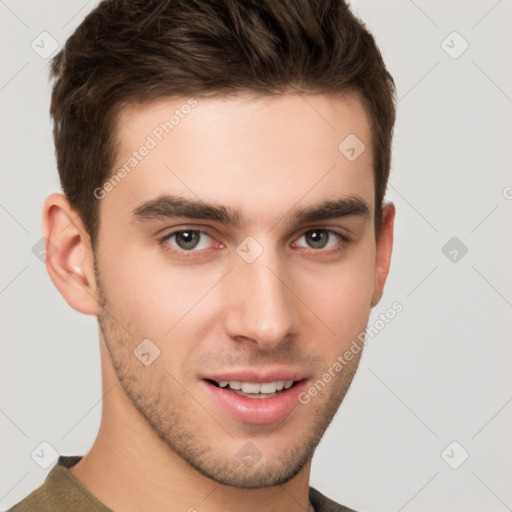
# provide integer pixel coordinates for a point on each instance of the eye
(320, 239)
(188, 240)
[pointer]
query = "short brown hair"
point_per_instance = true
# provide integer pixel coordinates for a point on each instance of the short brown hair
(142, 50)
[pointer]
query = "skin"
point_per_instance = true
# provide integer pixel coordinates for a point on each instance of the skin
(161, 436)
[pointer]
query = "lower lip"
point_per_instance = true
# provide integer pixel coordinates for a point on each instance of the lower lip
(258, 411)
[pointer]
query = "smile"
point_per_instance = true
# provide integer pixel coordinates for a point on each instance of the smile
(255, 389)
(256, 401)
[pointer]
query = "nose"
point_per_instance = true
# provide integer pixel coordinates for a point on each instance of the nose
(261, 304)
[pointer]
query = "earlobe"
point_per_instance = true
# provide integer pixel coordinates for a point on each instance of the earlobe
(69, 257)
(383, 252)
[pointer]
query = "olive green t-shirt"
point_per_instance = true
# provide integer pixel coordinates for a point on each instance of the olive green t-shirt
(63, 492)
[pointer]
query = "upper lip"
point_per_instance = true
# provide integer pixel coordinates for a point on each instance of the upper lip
(257, 375)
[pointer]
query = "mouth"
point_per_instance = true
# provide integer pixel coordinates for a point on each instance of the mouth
(254, 390)
(255, 399)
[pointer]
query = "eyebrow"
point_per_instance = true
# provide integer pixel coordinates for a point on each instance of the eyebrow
(171, 206)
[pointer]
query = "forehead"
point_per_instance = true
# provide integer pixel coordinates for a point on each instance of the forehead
(261, 154)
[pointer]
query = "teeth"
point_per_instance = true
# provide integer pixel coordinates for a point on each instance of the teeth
(255, 387)
(268, 387)
(249, 387)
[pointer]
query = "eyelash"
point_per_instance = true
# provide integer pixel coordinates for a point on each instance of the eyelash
(344, 241)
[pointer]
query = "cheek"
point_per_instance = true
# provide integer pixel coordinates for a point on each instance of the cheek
(341, 296)
(154, 299)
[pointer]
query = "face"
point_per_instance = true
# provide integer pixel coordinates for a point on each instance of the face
(239, 249)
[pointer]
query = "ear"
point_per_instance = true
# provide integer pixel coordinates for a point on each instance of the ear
(383, 252)
(69, 256)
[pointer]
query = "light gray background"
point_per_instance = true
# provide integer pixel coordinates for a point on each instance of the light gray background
(438, 373)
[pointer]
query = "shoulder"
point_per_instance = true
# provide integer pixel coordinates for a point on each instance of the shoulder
(38, 500)
(57, 491)
(323, 504)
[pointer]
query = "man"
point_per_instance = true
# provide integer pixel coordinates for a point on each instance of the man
(224, 165)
